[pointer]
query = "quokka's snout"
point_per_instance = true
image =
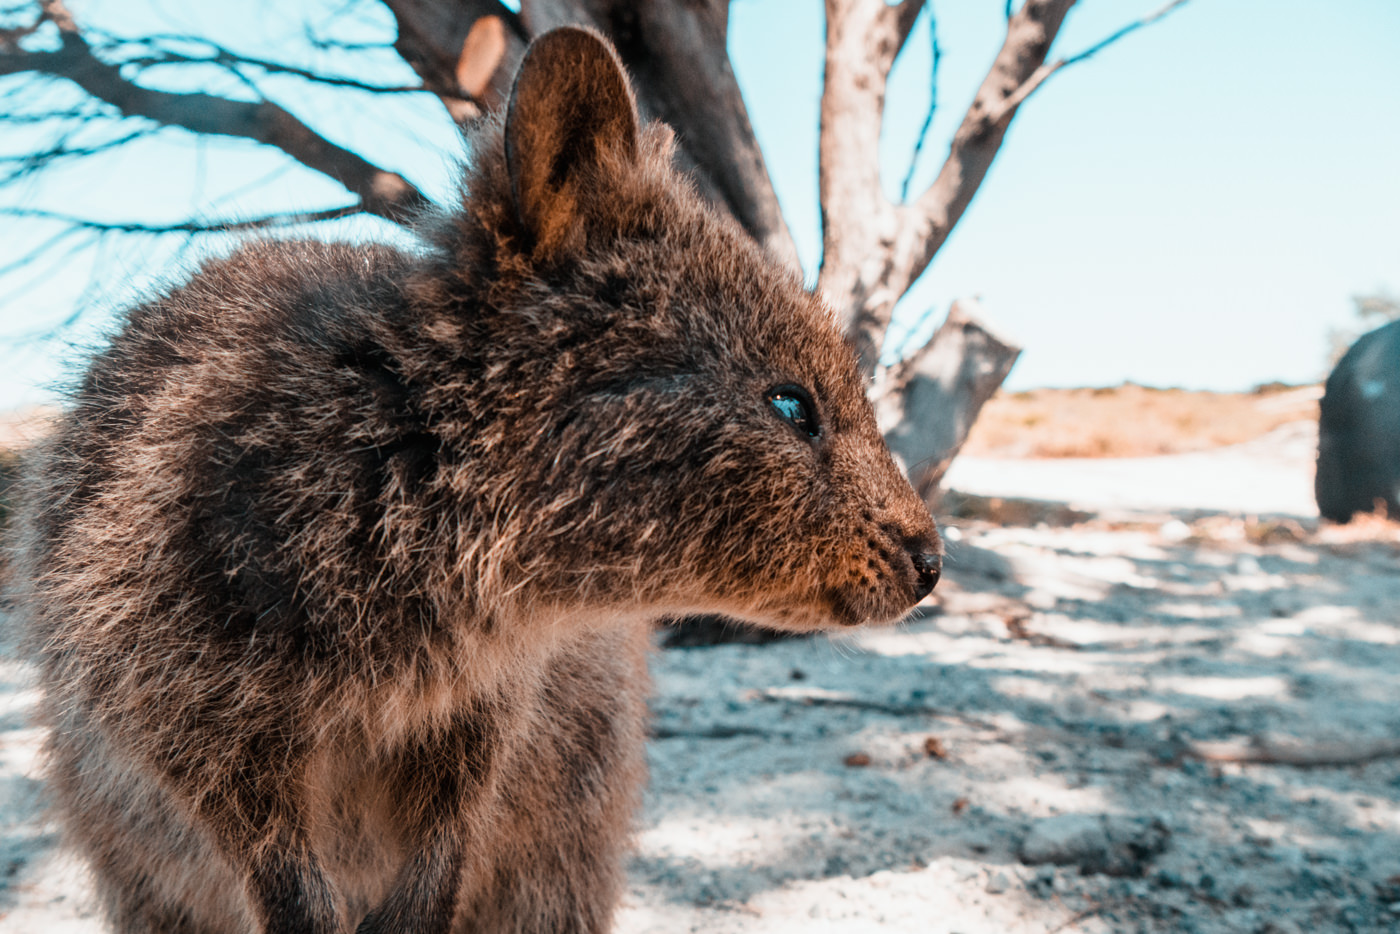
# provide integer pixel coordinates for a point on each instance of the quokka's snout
(339, 568)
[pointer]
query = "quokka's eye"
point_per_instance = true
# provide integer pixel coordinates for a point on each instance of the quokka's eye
(795, 406)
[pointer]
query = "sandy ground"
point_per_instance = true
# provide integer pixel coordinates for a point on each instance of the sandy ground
(1273, 474)
(1146, 721)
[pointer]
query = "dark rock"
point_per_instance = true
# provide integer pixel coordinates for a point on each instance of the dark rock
(1358, 455)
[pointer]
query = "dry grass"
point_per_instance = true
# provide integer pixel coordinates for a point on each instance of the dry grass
(1132, 421)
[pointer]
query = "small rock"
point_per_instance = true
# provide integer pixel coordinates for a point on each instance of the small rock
(857, 760)
(934, 748)
(997, 883)
(1115, 846)
(1167, 879)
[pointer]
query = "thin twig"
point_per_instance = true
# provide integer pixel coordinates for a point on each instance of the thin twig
(287, 219)
(74, 113)
(31, 162)
(910, 333)
(1131, 27)
(932, 105)
(317, 41)
(714, 732)
(230, 60)
(38, 251)
(856, 703)
(43, 276)
(1017, 97)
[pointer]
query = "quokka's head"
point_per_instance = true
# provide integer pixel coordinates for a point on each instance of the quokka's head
(690, 427)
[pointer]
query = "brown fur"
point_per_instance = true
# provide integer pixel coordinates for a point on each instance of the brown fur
(340, 564)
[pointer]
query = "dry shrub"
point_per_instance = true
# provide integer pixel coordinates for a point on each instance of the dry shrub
(1373, 526)
(1131, 420)
(1007, 510)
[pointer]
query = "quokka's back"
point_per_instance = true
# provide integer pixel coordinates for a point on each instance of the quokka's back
(339, 567)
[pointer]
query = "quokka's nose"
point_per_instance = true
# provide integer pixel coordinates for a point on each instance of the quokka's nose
(927, 567)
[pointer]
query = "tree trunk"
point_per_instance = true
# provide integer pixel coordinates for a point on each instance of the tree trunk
(677, 54)
(926, 404)
(873, 251)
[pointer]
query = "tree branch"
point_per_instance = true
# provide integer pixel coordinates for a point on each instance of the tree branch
(863, 38)
(932, 106)
(1278, 750)
(385, 193)
(676, 53)
(926, 404)
(266, 221)
(31, 162)
(9, 38)
(227, 58)
(445, 43)
(49, 116)
(1130, 28)
(1045, 71)
(678, 56)
(906, 14)
(875, 250)
(39, 250)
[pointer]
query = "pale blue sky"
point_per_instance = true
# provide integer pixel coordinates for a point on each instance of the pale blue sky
(1195, 206)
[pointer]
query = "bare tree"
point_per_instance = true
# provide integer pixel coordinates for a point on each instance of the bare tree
(465, 52)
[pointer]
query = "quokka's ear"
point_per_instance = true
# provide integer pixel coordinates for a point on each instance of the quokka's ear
(571, 117)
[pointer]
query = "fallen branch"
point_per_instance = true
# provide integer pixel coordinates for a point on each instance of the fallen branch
(1246, 750)
(1267, 750)
(810, 699)
(715, 732)
(1017, 629)
(1075, 919)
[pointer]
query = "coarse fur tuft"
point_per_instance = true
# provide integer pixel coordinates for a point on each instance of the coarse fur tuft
(338, 570)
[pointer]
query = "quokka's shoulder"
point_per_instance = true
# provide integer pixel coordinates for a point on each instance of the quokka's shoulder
(290, 283)
(266, 298)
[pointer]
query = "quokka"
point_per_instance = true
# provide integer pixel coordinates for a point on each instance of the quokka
(339, 568)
